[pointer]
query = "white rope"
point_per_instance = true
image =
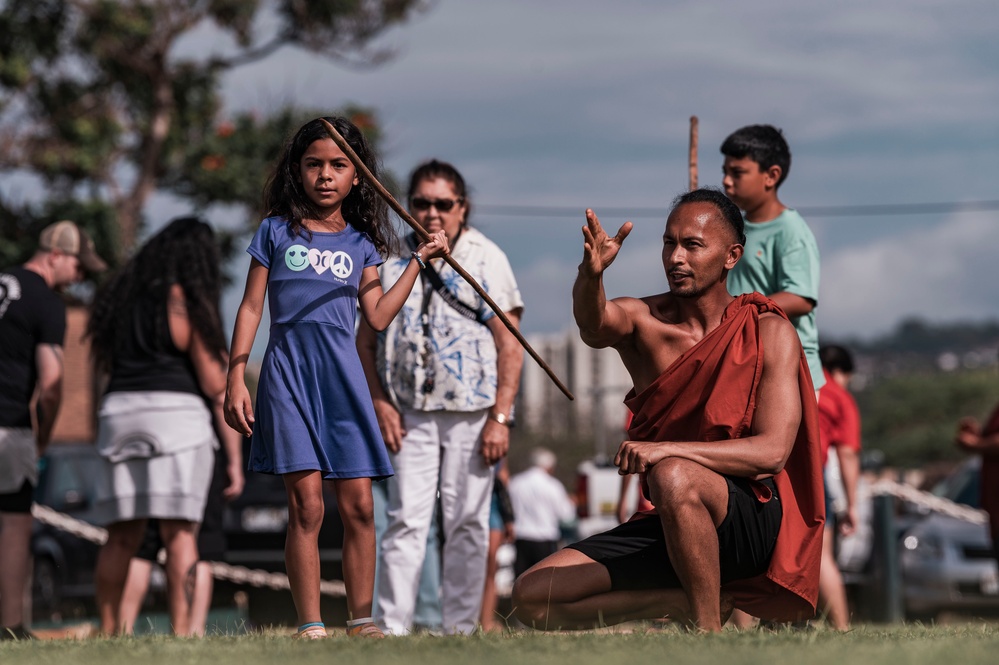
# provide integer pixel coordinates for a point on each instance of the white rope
(937, 504)
(225, 571)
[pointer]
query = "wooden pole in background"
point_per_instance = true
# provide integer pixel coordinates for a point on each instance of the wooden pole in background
(693, 153)
(421, 232)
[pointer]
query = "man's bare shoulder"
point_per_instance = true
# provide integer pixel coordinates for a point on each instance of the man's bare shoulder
(778, 335)
(644, 306)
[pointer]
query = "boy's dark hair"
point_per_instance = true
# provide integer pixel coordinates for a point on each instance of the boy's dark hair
(729, 212)
(764, 144)
(363, 208)
(835, 357)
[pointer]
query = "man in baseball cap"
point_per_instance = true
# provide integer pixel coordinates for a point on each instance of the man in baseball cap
(69, 238)
(32, 328)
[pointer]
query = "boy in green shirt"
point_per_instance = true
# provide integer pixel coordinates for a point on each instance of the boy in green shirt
(781, 258)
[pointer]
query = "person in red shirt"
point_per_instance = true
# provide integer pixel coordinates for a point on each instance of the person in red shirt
(839, 427)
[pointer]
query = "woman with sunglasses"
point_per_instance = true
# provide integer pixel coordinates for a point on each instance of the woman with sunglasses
(443, 378)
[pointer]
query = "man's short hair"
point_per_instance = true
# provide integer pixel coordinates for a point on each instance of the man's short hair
(764, 144)
(835, 357)
(728, 211)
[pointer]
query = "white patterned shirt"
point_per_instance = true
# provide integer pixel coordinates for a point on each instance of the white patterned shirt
(453, 368)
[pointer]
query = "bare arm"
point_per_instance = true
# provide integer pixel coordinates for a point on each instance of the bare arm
(602, 323)
(969, 437)
(849, 469)
(379, 307)
(509, 361)
(775, 425)
(389, 419)
(48, 391)
(238, 408)
(793, 305)
(210, 372)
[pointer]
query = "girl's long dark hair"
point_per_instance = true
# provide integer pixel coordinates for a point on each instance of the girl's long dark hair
(363, 208)
(185, 252)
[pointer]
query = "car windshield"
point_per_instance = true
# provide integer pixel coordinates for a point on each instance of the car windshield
(962, 486)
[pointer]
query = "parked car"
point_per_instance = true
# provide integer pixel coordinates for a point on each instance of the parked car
(63, 575)
(948, 563)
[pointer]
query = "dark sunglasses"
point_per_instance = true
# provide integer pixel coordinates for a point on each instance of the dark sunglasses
(442, 205)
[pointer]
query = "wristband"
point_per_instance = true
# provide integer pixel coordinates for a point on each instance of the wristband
(416, 255)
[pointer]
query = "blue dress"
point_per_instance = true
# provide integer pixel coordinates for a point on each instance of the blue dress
(313, 409)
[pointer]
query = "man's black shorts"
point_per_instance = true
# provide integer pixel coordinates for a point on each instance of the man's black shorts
(19, 501)
(634, 553)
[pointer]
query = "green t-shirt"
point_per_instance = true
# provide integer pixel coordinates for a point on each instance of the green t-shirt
(782, 255)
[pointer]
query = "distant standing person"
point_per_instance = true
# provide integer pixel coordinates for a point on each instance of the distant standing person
(781, 258)
(32, 328)
(156, 332)
(540, 507)
(317, 253)
(839, 427)
(501, 519)
(984, 440)
(443, 378)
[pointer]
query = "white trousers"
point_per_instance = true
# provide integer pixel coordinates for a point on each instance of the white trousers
(441, 451)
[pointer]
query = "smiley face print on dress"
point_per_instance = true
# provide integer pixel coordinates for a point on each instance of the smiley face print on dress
(297, 257)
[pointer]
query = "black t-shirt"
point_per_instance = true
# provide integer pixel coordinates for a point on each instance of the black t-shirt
(30, 314)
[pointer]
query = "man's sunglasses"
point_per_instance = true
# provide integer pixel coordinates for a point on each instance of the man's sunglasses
(442, 205)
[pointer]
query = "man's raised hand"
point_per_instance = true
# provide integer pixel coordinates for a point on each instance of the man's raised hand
(600, 249)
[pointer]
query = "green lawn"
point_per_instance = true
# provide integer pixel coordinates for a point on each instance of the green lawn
(904, 645)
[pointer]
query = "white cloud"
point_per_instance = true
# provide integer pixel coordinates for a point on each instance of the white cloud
(945, 273)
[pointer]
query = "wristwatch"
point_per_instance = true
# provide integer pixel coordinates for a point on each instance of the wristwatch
(501, 418)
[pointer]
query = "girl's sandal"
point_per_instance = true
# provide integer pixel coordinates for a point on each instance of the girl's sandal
(317, 632)
(369, 630)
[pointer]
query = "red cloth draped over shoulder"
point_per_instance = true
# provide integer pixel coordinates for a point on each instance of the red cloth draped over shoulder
(709, 394)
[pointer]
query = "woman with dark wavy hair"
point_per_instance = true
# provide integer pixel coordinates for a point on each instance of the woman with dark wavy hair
(156, 333)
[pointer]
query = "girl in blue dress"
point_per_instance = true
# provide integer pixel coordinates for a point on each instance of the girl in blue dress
(317, 252)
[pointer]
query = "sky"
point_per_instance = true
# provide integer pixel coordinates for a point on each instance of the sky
(561, 105)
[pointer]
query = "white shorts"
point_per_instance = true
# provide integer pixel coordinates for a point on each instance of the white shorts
(18, 458)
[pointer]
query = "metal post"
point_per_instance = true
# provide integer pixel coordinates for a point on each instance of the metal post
(887, 599)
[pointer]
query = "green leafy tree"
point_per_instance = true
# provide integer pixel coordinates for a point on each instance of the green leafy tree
(912, 418)
(97, 101)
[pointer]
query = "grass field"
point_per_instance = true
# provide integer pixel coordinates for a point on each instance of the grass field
(902, 645)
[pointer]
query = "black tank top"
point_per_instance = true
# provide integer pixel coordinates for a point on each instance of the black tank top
(148, 358)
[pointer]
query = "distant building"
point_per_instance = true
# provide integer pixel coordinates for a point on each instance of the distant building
(596, 377)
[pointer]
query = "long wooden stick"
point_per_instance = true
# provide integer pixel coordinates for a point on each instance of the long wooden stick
(693, 152)
(422, 233)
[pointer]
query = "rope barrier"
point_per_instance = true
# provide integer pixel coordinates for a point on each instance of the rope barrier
(224, 571)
